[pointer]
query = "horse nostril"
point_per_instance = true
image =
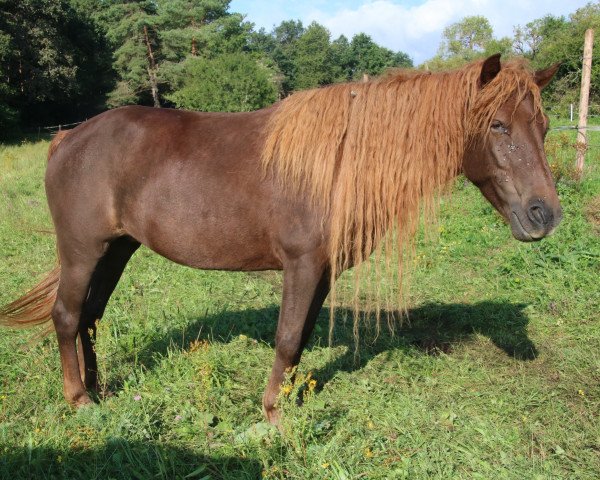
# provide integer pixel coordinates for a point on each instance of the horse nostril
(536, 215)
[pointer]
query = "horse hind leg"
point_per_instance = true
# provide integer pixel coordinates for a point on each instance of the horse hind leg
(79, 264)
(73, 288)
(104, 279)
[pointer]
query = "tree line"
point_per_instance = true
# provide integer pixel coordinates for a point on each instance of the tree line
(64, 60)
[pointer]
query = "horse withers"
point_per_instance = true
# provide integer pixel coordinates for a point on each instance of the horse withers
(311, 186)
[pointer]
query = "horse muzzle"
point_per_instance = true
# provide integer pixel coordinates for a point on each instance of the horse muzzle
(536, 221)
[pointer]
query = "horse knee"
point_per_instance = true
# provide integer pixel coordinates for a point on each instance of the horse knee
(288, 349)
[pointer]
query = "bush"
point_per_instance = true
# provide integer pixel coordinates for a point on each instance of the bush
(228, 83)
(560, 151)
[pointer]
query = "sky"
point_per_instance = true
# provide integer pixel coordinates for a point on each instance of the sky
(412, 26)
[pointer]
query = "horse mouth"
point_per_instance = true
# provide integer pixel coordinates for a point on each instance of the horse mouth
(537, 223)
(519, 232)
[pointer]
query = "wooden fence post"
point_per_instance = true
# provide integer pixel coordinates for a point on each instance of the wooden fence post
(584, 100)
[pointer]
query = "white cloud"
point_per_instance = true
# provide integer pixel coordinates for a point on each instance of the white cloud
(417, 29)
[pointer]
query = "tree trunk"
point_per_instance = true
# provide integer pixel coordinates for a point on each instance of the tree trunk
(153, 87)
(152, 70)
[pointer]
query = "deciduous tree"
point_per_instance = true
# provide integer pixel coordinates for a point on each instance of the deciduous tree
(232, 82)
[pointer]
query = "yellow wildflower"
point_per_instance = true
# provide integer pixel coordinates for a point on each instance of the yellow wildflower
(286, 389)
(325, 465)
(369, 453)
(581, 393)
(198, 344)
(312, 384)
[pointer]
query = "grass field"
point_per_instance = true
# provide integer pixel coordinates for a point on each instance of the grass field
(497, 374)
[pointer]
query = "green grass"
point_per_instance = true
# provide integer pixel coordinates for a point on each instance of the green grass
(497, 374)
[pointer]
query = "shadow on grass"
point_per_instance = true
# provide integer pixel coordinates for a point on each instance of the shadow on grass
(432, 328)
(17, 138)
(120, 458)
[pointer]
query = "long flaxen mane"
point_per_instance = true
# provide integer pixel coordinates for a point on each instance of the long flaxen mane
(372, 155)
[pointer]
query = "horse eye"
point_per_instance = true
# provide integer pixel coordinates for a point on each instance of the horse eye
(498, 127)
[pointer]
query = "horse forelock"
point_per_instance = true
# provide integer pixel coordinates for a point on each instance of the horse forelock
(515, 80)
(373, 155)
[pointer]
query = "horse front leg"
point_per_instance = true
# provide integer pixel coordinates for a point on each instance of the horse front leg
(306, 283)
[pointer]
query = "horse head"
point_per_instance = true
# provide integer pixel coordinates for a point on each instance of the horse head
(505, 155)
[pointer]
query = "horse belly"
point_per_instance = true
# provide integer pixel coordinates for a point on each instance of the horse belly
(215, 249)
(204, 226)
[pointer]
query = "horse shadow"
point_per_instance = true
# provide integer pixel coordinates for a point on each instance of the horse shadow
(429, 329)
(123, 458)
(434, 329)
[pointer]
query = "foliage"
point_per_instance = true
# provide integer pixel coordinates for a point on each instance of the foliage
(233, 82)
(51, 58)
(368, 57)
(131, 30)
(559, 151)
(307, 58)
(466, 37)
(528, 39)
(466, 41)
(495, 375)
(562, 41)
(313, 58)
(152, 39)
(7, 113)
(286, 35)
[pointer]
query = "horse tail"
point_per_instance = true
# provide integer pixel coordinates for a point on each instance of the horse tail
(59, 137)
(35, 307)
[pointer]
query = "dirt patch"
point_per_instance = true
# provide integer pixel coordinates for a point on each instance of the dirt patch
(592, 213)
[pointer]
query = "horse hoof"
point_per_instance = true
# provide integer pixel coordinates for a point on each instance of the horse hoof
(273, 417)
(81, 401)
(84, 403)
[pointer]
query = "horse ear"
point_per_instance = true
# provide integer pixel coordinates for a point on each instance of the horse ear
(543, 77)
(489, 70)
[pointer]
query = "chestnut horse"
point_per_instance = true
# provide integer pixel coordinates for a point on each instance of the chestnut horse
(308, 186)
